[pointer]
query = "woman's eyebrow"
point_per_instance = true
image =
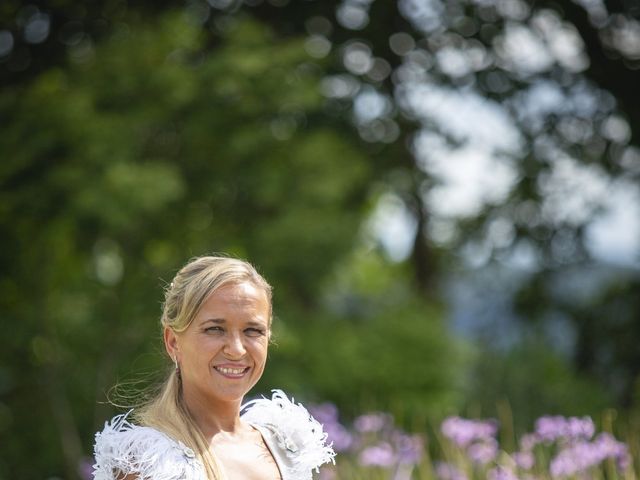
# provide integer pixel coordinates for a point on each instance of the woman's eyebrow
(222, 321)
(218, 321)
(255, 323)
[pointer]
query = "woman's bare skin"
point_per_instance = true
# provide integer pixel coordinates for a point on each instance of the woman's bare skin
(243, 456)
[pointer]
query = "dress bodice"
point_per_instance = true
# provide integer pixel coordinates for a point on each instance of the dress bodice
(296, 440)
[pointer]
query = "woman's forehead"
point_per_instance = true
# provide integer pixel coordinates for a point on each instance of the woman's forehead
(238, 294)
(240, 289)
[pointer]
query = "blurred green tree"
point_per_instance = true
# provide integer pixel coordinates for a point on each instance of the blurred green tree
(123, 140)
(145, 149)
(560, 123)
(380, 345)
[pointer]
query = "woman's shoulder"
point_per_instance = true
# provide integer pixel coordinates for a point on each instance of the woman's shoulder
(299, 437)
(124, 448)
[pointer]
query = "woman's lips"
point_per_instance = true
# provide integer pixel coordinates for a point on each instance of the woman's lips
(231, 371)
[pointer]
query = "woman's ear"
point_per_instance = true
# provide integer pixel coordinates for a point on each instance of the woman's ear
(171, 343)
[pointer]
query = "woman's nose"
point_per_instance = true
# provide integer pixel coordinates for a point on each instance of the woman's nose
(234, 347)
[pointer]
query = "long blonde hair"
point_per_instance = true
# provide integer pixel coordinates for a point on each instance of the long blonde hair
(190, 288)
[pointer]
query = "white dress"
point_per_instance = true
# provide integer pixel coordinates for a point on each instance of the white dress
(296, 440)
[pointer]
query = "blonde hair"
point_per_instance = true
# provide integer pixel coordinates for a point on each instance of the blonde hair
(190, 288)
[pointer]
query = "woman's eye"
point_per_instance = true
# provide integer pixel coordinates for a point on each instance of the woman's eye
(214, 329)
(254, 332)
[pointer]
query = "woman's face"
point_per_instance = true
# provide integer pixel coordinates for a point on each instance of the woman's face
(222, 353)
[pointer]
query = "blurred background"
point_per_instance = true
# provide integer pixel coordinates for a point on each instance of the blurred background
(445, 195)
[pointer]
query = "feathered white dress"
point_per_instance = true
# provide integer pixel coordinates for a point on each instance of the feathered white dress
(297, 442)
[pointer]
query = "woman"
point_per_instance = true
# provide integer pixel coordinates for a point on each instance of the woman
(216, 323)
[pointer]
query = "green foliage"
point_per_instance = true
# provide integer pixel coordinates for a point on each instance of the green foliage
(152, 147)
(147, 149)
(379, 346)
(531, 380)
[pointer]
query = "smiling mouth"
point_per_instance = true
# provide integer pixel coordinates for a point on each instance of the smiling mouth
(232, 372)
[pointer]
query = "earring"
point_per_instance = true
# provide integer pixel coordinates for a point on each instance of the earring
(175, 361)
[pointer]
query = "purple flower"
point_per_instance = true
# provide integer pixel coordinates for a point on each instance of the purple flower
(552, 428)
(483, 452)
(372, 422)
(409, 448)
(337, 434)
(446, 471)
(524, 460)
(85, 468)
(579, 457)
(324, 412)
(528, 441)
(463, 432)
(575, 459)
(609, 447)
(381, 455)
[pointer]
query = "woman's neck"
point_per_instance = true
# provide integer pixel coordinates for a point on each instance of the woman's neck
(214, 417)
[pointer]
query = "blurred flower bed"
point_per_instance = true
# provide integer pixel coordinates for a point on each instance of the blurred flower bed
(373, 447)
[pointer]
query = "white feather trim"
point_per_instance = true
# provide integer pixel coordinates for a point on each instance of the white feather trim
(124, 448)
(298, 434)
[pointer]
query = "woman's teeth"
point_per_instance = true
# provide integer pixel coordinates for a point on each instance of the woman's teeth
(230, 371)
